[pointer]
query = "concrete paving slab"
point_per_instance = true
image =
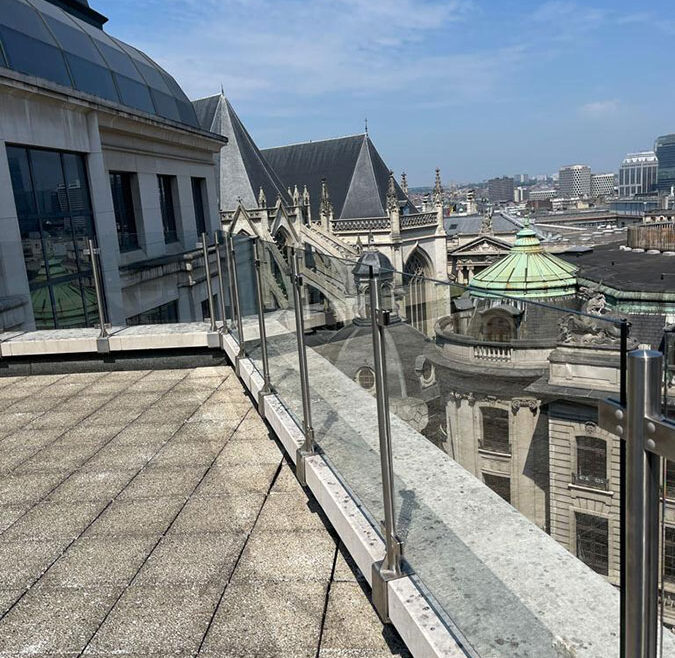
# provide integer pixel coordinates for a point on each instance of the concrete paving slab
(146, 434)
(92, 485)
(56, 458)
(87, 433)
(267, 619)
(10, 421)
(346, 569)
(225, 514)
(286, 481)
(54, 621)
(352, 625)
(237, 478)
(137, 517)
(290, 511)
(120, 457)
(158, 482)
(160, 621)
(221, 411)
(196, 453)
(28, 487)
(100, 561)
(9, 514)
(170, 410)
(55, 418)
(50, 520)
(206, 430)
(7, 598)
(12, 458)
(23, 561)
(200, 559)
(261, 451)
(286, 556)
(115, 417)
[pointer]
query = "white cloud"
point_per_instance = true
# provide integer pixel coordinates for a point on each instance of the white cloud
(600, 109)
(289, 50)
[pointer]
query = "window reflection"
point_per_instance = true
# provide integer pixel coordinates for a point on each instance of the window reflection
(55, 219)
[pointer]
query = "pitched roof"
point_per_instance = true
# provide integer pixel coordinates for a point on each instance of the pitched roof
(356, 176)
(243, 169)
(471, 225)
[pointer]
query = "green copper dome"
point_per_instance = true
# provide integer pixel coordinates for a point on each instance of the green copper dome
(528, 271)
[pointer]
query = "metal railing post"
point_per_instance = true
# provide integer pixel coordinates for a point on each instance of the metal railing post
(308, 448)
(217, 236)
(257, 246)
(648, 437)
(209, 289)
(102, 342)
(234, 297)
(390, 568)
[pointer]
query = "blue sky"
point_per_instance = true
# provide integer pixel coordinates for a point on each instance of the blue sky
(478, 88)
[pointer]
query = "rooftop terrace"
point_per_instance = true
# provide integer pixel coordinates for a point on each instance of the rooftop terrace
(150, 512)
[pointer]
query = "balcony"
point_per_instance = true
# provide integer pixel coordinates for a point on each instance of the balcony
(197, 431)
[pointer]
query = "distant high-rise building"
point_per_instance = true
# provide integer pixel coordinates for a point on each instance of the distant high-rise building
(602, 185)
(520, 178)
(638, 174)
(500, 189)
(665, 153)
(521, 194)
(574, 181)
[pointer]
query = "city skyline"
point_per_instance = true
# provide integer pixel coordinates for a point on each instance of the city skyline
(479, 89)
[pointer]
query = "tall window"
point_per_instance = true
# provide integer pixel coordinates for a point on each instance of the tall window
(416, 289)
(591, 462)
(125, 216)
(166, 203)
(198, 194)
(498, 329)
(669, 555)
(495, 430)
(499, 484)
(593, 542)
(55, 218)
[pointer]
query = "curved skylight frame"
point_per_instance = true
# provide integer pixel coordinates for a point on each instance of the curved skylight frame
(40, 39)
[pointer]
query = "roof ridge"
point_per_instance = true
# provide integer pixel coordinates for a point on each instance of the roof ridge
(314, 141)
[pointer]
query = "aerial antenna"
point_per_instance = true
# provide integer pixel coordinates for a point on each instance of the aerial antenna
(222, 89)
(366, 122)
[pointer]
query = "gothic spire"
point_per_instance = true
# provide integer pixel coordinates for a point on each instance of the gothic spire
(305, 196)
(296, 196)
(392, 198)
(325, 206)
(438, 189)
(262, 199)
(404, 183)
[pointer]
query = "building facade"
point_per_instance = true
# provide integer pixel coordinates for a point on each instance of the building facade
(664, 147)
(96, 142)
(500, 190)
(574, 181)
(602, 185)
(638, 174)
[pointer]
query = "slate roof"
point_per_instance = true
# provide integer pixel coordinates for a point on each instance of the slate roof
(356, 176)
(243, 169)
(471, 225)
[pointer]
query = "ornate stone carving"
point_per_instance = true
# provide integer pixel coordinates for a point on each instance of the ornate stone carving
(583, 330)
(590, 427)
(520, 403)
(404, 183)
(262, 199)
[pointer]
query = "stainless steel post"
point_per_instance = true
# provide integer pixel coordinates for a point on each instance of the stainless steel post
(308, 447)
(261, 319)
(642, 506)
(234, 295)
(100, 303)
(221, 281)
(389, 568)
(209, 289)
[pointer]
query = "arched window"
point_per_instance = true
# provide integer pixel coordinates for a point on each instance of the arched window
(591, 462)
(415, 282)
(498, 329)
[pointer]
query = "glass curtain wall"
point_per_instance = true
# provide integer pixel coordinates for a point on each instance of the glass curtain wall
(53, 204)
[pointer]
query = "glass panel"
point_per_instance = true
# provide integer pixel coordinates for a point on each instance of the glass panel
(198, 185)
(18, 16)
(119, 61)
(125, 217)
(167, 208)
(92, 78)
(248, 305)
(19, 170)
(478, 378)
(279, 309)
(34, 57)
(72, 39)
(50, 187)
(165, 104)
(135, 94)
